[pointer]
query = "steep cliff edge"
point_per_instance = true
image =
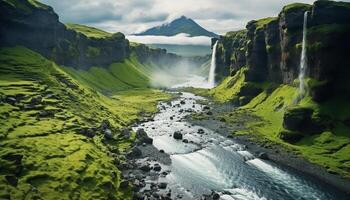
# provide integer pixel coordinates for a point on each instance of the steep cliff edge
(270, 48)
(264, 63)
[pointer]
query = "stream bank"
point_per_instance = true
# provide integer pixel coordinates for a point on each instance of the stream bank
(178, 158)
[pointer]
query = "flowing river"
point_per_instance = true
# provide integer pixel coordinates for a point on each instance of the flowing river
(211, 162)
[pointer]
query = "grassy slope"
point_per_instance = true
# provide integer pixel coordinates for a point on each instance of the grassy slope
(117, 77)
(59, 163)
(330, 149)
(88, 31)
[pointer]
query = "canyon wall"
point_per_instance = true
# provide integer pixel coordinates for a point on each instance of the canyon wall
(270, 48)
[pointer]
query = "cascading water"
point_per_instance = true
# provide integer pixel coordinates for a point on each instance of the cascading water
(211, 79)
(303, 61)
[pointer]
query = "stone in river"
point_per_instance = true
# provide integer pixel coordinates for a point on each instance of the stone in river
(177, 135)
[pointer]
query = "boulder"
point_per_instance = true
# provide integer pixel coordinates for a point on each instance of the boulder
(200, 131)
(297, 119)
(143, 137)
(162, 185)
(185, 141)
(290, 137)
(215, 196)
(177, 135)
(36, 100)
(108, 134)
(263, 155)
(12, 180)
(124, 184)
(182, 102)
(145, 167)
(134, 153)
(157, 167)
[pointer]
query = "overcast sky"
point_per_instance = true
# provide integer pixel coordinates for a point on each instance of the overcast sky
(132, 16)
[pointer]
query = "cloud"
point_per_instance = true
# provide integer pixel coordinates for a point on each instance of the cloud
(131, 16)
(180, 39)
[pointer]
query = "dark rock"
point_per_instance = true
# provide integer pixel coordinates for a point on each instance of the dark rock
(45, 113)
(126, 133)
(36, 100)
(161, 151)
(297, 119)
(135, 153)
(290, 137)
(185, 141)
(108, 134)
(206, 108)
(157, 167)
(209, 113)
(200, 131)
(177, 135)
(11, 100)
(105, 124)
(143, 137)
(263, 155)
(215, 196)
(12, 180)
(124, 184)
(182, 102)
(145, 167)
(162, 185)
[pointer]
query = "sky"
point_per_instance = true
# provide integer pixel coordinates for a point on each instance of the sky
(134, 16)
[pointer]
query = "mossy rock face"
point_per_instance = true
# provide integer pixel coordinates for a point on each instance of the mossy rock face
(249, 89)
(290, 136)
(297, 119)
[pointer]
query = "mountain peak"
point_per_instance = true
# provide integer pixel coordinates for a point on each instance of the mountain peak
(182, 24)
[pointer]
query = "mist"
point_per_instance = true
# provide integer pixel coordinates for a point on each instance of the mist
(179, 39)
(185, 73)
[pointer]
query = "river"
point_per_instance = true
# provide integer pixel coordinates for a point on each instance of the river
(211, 162)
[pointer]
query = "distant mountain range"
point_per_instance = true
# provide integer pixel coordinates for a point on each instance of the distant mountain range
(179, 25)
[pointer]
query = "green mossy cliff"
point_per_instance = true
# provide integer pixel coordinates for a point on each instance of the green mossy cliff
(68, 95)
(270, 48)
(264, 64)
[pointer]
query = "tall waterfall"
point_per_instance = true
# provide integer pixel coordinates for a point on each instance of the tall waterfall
(211, 79)
(303, 61)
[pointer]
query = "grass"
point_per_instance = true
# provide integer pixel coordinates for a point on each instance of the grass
(88, 31)
(117, 77)
(229, 87)
(296, 6)
(261, 23)
(330, 149)
(46, 154)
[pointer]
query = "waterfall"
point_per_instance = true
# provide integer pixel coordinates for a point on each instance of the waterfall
(303, 61)
(211, 79)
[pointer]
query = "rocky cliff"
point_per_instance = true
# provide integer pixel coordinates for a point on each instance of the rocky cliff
(37, 26)
(270, 48)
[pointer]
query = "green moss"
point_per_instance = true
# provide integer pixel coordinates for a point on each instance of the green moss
(56, 161)
(229, 87)
(118, 76)
(296, 6)
(261, 23)
(330, 149)
(89, 31)
(240, 33)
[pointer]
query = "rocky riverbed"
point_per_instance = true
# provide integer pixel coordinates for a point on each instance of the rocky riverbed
(179, 158)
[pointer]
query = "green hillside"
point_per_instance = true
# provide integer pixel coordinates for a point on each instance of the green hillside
(118, 76)
(52, 146)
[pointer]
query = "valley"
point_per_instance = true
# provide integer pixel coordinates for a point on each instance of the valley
(262, 113)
